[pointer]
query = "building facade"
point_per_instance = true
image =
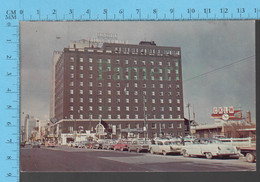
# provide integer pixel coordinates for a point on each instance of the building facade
(136, 89)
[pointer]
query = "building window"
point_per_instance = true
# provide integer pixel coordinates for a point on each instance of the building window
(127, 108)
(118, 108)
(90, 68)
(177, 78)
(161, 85)
(109, 60)
(71, 116)
(81, 84)
(153, 100)
(178, 108)
(108, 76)
(161, 100)
(109, 84)
(71, 92)
(177, 72)
(118, 100)
(152, 63)
(99, 100)
(90, 91)
(71, 67)
(136, 92)
(178, 101)
(71, 108)
(170, 125)
(72, 75)
(136, 116)
(118, 116)
(72, 84)
(90, 100)
(161, 108)
(177, 86)
(71, 59)
(80, 99)
(170, 101)
(162, 116)
(153, 125)
(153, 93)
(70, 128)
(109, 116)
(81, 108)
(80, 91)
(117, 61)
(81, 116)
(90, 108)
(117, 84)
(176, 64)
(127, 116)
(135, 84)
(127, 100)
(100, 92)
(100, 108)
(109, 100)
(99, 84)
(90, 60)
(109, 108)
(137, 126)
(136, 108)
(90, 75)
(81, 60)
(179, 125)
(160, 63)
(161, 93)
(135, 61)
(163, 125)
(109, 92)
(170, 108)
(118, 92)
(81, 75)
(71, 99)
(136, 100)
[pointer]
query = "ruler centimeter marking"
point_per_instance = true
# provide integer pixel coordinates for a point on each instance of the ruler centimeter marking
(13, 12)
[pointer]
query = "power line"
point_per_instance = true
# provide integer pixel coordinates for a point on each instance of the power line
(203, 74)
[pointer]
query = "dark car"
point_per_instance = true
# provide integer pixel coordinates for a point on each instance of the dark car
(35, 145)
(122, 145)
(139, 146)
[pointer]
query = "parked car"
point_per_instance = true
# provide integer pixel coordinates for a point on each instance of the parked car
(108, 144)
(209, 147)
(122, 145)
(249, 153)
(139, 145)
(83, 144)
(35, 145)
(75, 144)
(49, 144)
(165, 147)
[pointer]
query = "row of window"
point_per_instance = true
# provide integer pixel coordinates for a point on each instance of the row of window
(127, 108)
(118, 100)
(127, 77)
(117, 84)
(135, 62)
(127, 116)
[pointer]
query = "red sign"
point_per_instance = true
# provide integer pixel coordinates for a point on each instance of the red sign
(220, 110)
(231, 109)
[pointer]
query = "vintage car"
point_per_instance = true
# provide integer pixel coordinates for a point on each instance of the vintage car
(165, 147)
(108, 144)
(122, 145)
(139, 145)
(209, 147)
(49, 143)
(35, 145)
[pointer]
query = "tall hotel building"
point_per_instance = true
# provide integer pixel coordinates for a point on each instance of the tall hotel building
(131, 90)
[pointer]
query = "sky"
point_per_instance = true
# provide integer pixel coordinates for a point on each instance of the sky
(218, 59)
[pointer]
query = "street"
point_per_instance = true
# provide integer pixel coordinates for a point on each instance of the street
(63, 158)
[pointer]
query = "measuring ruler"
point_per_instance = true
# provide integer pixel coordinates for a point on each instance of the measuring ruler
(12, 12)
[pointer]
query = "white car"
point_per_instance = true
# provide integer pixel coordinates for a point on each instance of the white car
(209, 148)
(165, 147)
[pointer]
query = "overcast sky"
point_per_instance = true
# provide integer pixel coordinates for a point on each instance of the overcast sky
(205, 46)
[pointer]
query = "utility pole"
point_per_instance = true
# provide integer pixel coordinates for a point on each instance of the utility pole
(188, 106)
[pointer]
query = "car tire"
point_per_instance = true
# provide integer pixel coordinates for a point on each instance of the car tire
(151, 151)
(185, 154)
(250, 157)
(164, 153)
(208, 155)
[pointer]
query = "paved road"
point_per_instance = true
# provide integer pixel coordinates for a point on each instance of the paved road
(64, 158)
